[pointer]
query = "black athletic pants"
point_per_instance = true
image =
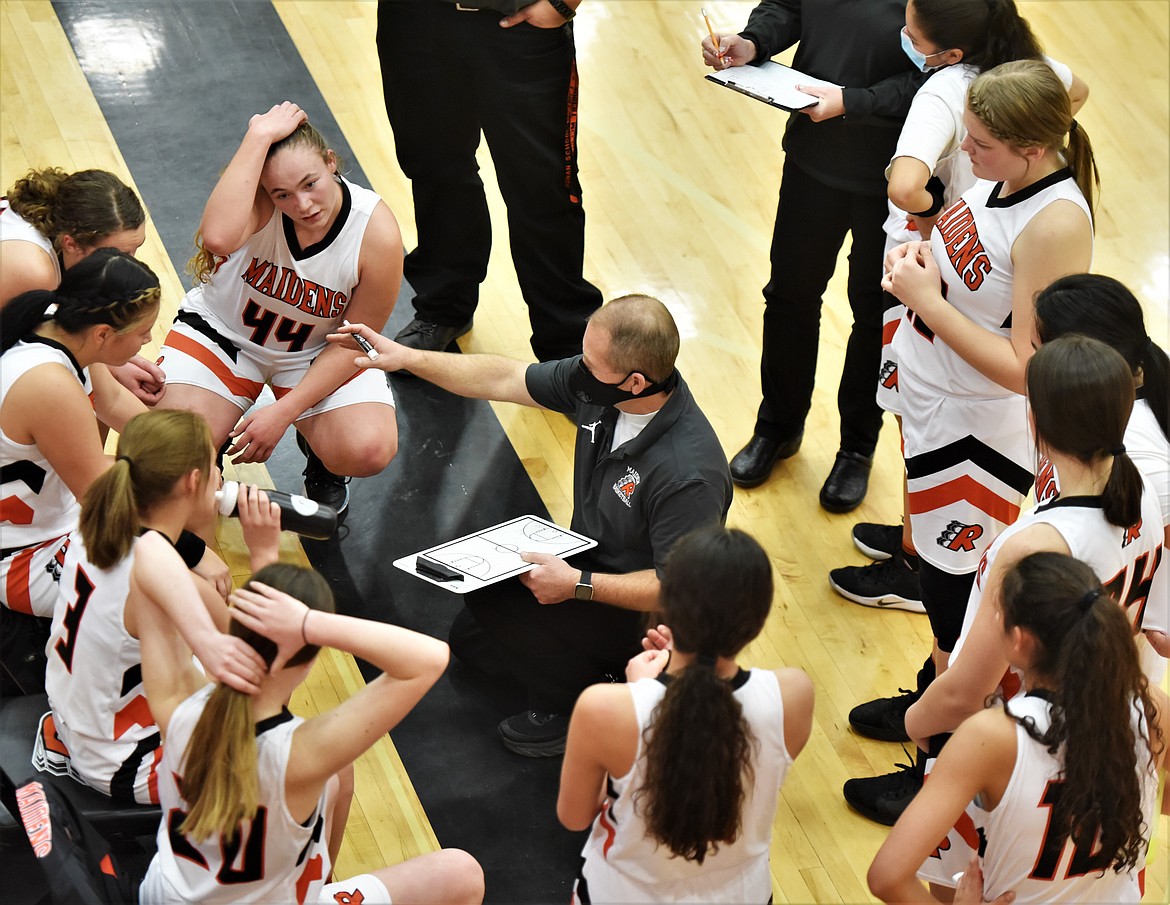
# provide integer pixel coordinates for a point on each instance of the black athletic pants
(812, 220)
(447, 76)
(555, 651)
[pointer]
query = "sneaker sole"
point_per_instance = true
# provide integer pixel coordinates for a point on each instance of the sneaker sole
(872, 552)
(870, 814)
(885, 602)
(534, 749)
(878, 734)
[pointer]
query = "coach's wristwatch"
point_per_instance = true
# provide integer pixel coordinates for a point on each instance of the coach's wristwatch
(568, 12)
(584, 589)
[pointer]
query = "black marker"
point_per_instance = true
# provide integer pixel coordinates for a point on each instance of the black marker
(435, 569)
(363, 343)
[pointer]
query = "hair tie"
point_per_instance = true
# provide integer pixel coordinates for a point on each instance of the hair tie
(707, 660)
(1086, 603)
(129, 462)
(50, 311)
(1073, 128)
(1118, 450)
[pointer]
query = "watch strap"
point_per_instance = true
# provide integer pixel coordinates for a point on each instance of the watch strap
(563, 8)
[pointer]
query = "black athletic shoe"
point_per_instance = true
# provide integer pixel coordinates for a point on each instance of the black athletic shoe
(429, 336)
(887, 585)
(535, 734)
(321, 485)
(878, 542)
(884, 798)
(885, 718)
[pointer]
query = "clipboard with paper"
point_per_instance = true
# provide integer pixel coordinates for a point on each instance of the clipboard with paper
(772, 83)
(492, 554)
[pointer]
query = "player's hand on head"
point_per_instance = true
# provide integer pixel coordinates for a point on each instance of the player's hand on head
(660, 637)
(273, 614)
(234, 663)
(278, 122)
(552, 581)
(647, 665)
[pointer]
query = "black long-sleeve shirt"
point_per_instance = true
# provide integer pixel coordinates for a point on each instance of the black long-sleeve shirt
(854, 43)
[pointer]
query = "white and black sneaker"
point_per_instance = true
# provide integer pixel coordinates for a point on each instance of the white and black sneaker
(887, 585)
(878, 542)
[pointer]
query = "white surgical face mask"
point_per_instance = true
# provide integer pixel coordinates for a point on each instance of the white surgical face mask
(918, 59)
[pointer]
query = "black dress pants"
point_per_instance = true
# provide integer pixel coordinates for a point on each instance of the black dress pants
(554, 650)
(812, 219)
(448, 76)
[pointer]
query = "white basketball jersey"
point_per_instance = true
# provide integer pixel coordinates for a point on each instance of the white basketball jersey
(1123, 559)
(621, 864)
(972, 245)
(274, 294)
(14, 226)
(1023, 851)
(94, 681)
(36, 504)
(272, 858)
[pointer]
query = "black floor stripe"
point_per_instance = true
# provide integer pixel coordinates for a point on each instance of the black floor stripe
(177, 83)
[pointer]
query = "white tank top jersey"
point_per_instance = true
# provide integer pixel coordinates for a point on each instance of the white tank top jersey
(37, 504)
(1123, 559)
(94, 680)
(275, 294)
(1023, 855)
(272, 857)
(621, 864)
(15, 227)
(972, 245)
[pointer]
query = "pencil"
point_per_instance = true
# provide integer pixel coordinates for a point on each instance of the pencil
(714, 37)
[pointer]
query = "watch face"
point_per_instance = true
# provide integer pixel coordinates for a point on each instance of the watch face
(583, 592)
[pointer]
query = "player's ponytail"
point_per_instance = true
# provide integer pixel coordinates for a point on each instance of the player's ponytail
(1103, 308)
(988, 33)
(716, 595)
(220, 779)
(1081, 392)
(107, 287)
(1085, 649)
(155, 451)
(87, 205)
(1025, 105)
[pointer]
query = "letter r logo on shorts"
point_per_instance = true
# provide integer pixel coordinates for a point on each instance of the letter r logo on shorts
(959, 537)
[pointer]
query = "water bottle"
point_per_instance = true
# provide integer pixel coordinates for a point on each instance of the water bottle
(306, 517)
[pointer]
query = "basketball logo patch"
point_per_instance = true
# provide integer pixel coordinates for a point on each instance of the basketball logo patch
(959, 537)
(625, 486)
(888, 376)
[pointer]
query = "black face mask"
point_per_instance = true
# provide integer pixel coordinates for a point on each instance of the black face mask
(592, 391)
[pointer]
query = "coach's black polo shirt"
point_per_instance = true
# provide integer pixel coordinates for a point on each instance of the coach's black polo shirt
(638, 499)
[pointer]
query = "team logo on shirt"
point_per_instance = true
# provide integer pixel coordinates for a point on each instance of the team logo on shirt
(960, 236)
(625, 486)
(55, 565)
(1132, 533)
(1047, 485)
(960, 537)
(888, 377)
(592, 428)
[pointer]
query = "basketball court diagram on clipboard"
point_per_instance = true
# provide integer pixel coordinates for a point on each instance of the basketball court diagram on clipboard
(493, 554)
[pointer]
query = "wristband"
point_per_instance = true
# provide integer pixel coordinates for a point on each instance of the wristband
(936, 188)
(563, 8)
(191, 548)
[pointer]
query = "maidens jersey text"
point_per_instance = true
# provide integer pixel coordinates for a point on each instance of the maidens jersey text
(960, 236)
(282, 284)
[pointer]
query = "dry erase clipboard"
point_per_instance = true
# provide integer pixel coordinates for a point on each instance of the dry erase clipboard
(493, 554)
(772, 83)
